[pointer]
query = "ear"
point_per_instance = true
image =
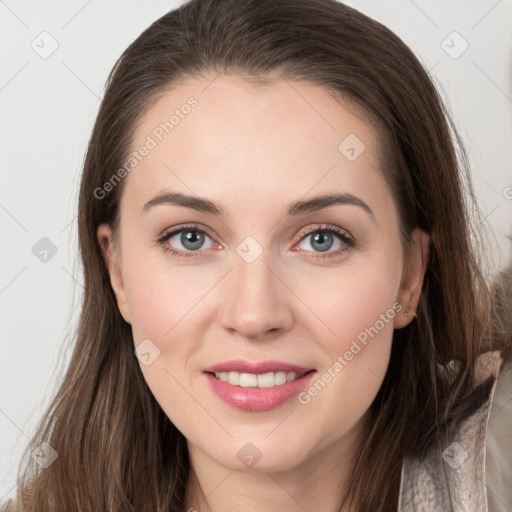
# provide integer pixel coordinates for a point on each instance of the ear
(112, 262)
(415, 266)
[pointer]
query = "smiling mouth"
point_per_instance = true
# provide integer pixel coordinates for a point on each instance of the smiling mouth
(261, 380)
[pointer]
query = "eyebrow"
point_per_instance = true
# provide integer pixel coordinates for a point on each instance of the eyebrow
(296, 208)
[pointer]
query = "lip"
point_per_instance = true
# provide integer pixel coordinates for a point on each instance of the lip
(243, 366)
(255, 399)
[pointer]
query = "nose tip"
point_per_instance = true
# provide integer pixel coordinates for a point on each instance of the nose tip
(256, 303)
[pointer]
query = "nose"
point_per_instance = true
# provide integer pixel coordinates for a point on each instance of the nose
(256, 301)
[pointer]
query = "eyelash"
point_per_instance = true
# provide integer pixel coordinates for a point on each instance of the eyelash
(342, 235)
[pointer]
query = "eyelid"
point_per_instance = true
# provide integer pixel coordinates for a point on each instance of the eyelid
(177, 229)
(325, 227)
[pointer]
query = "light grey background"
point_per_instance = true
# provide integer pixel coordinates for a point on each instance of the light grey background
(47, 108)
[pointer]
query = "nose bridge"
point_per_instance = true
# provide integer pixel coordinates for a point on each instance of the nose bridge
(256, 301)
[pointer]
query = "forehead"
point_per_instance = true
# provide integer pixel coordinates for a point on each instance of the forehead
(286, 137)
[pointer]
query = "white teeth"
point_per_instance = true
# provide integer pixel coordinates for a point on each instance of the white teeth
(263, 380)
(290, 376)
(234, 378)
(248, 380)
(280, 378)
(266, 380)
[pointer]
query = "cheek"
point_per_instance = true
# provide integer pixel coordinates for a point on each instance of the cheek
(355, 333)
(161, 299)
(354, 299)
(169, 306)
(163, 306)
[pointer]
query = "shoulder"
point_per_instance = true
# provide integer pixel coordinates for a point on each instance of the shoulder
(498, 464)
(452, 476)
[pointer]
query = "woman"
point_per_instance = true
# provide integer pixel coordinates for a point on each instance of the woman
(277, 314)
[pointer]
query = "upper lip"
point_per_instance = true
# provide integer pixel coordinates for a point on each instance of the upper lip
(242, 366)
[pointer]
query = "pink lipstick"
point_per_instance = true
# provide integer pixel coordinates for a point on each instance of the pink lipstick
(257, 386)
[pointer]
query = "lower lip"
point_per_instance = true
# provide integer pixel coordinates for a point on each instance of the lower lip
(257, 399)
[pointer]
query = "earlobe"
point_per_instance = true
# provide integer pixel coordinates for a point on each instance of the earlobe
(104, 234)
(415, 266)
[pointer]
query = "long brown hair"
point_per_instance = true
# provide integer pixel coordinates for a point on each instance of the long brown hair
(117, 450)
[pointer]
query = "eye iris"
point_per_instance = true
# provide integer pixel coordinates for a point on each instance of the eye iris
(322, 237)
(194, 238)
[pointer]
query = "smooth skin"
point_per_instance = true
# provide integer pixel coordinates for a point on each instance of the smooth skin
(254, 151)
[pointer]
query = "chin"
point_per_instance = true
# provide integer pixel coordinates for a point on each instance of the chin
(261, 457)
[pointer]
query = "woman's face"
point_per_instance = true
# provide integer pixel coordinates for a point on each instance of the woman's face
(256, 286)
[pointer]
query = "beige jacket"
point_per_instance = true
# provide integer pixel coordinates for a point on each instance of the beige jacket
(474, 472)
